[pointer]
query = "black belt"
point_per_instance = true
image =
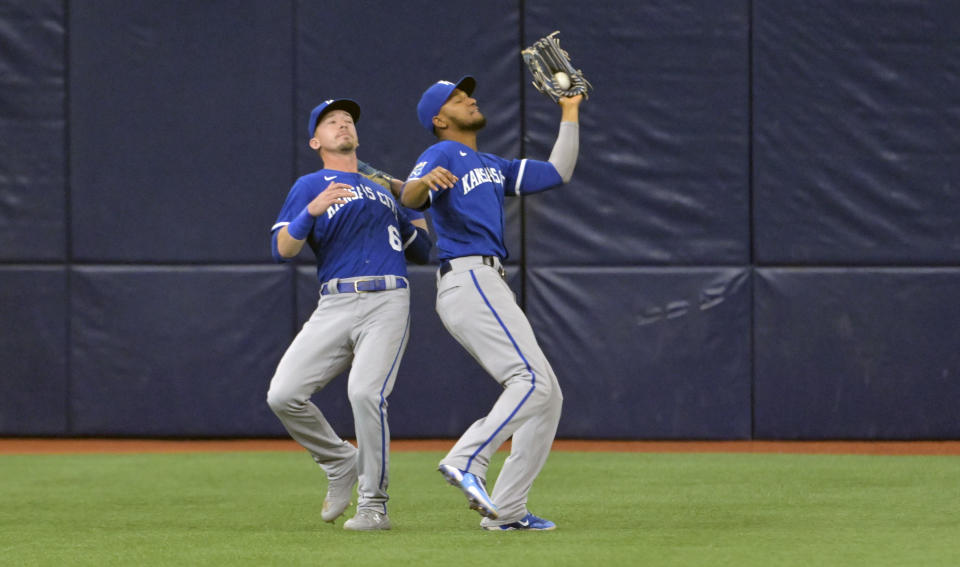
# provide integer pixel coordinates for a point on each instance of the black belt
(364, 285)
(491, 261)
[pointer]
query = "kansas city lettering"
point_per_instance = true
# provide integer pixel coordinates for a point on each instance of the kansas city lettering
(480, 175)
(362, 192)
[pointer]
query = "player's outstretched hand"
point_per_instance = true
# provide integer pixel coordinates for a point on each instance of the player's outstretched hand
(335, 194)
(439, 178)
(570, 100)
(570, 108)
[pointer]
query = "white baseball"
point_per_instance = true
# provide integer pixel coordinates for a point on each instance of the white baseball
(562, 80)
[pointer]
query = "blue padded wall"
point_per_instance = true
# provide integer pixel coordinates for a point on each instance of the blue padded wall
(179, 128)
(646, 353)
(177, 351)
(388, 92)
(662, 176)
(857, 157)
(32, 131)
(857, 353)
(33, 346)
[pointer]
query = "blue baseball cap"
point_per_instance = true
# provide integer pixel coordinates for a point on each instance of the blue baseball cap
(438, 93)
(350, 106)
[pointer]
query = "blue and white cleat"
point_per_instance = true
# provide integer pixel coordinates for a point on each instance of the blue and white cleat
(528, 522)
(472, 488)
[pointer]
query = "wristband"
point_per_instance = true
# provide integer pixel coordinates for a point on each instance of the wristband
(300, 227)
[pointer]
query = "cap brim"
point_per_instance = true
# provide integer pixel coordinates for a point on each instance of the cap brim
(466, 84)
(352, 108)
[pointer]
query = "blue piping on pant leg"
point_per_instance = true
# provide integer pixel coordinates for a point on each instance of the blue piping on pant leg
(533, 376)
(383, 435)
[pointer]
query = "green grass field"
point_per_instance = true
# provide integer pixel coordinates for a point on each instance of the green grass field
(262, 508)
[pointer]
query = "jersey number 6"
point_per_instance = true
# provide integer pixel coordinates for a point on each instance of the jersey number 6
(393, 235)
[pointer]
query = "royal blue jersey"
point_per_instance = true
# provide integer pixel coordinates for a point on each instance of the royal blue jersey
(363, 237)
(468, 218)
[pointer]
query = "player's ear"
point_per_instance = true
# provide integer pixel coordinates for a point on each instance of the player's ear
(439, 123)
(314, 144)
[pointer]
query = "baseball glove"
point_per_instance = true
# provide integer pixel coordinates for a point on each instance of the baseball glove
(375, 175)
(553, 74)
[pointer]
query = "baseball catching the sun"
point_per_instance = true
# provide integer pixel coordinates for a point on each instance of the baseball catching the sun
(562, 80)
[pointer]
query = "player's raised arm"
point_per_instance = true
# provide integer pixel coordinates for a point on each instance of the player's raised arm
(567, 147)
(414, 192)
(555, 76)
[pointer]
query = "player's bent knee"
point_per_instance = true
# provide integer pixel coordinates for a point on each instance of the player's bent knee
(281, 401)
(548, 395)
(541, 394)
(363, 398)
(556, 402)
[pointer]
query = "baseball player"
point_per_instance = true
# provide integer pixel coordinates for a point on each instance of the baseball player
(360, 237)
(464, 189)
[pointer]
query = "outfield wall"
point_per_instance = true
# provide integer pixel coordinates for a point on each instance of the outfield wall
(761, 239)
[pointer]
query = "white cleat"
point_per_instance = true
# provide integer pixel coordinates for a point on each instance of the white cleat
(367, 520)
(339, 494)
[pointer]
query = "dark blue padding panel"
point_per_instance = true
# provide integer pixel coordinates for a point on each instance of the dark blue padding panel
(32, 131)
(857, 353)
(662, 176)
(647, 353)
(163, 351)
(440, 389)
(856, 153)
(33, 346)
(180, 117)
(483, 41)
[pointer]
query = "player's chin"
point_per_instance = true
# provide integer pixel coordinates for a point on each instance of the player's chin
(478, 122)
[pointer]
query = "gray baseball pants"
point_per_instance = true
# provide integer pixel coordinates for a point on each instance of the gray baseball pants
(479, 309)
(367, 332)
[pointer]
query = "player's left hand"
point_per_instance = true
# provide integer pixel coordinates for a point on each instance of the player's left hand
(439, 178)
(570, 100)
